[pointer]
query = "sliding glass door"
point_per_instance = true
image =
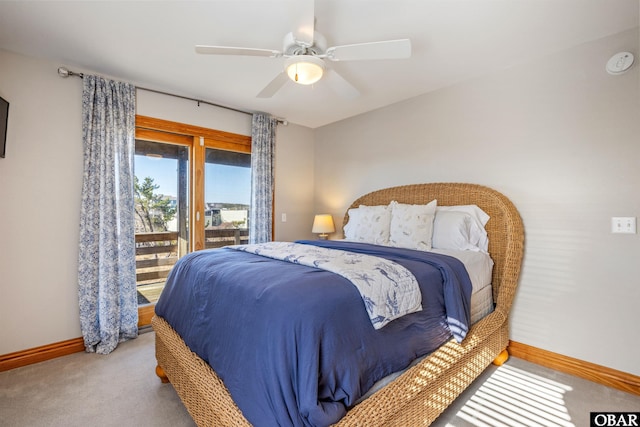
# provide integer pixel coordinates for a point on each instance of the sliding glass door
(161, 213)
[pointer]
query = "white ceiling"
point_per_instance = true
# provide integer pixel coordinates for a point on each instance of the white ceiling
(151, 44)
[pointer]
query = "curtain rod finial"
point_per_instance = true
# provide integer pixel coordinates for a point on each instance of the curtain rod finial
(65, 72)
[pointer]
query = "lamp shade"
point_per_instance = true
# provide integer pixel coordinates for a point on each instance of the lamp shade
(323, 224)
(304, 69)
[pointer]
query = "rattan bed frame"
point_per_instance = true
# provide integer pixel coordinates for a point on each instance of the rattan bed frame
(419, 395)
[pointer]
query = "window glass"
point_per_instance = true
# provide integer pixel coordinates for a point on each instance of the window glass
(227, 192)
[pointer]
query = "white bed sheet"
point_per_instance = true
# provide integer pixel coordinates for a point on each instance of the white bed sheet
(481, 303)
(479, 265)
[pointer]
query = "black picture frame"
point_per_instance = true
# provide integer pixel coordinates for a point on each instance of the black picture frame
(4, 123)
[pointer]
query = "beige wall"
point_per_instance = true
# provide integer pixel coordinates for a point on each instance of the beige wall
(561, 138)
(41, 181)
(294, 183)
(40, 185)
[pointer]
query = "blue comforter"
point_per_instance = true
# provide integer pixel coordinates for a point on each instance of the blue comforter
(294, 344)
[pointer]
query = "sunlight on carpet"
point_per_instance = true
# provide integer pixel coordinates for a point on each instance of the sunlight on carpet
(511, 397)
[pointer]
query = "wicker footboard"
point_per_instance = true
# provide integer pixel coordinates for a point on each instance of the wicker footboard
(202, 392)
(418, 396)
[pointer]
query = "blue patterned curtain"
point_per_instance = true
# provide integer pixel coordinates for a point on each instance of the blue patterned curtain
(107, 270)
(263, 135)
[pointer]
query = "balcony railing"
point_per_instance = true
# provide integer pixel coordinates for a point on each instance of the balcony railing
(156, 254)
(217, 238)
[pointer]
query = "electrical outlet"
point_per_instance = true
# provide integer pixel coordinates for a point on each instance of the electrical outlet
(626, 225)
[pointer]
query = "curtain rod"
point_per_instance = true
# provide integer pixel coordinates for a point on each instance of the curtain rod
(64, 72)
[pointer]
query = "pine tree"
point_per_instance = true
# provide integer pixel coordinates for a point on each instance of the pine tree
(154, 210)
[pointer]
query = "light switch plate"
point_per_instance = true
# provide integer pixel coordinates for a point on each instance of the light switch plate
(623, 224)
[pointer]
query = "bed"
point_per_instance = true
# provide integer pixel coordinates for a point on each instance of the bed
(420, 393)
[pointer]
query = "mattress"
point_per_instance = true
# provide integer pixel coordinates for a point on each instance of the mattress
(481, 303)
(479, 265)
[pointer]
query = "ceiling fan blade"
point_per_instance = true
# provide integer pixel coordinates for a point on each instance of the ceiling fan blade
(273, 86)
(340, 85)
(390, 49)
(245, 51)
(305, 22)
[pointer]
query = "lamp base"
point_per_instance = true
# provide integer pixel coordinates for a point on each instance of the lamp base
(323, 236)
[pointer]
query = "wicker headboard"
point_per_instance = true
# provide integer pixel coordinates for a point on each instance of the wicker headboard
(505, 229)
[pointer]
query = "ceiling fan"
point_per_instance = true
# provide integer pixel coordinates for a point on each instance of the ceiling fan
(305, 51)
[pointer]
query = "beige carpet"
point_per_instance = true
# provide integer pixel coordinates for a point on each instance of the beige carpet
(122, 390)
(119, 390)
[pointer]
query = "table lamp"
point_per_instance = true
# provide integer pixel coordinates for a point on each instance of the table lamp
(322, 225)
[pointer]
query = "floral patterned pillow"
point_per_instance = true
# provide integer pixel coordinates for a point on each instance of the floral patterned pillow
(368, 224)
(411, 226)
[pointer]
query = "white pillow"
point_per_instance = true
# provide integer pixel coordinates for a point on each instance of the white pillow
(412, 225)
(461, 227)
(368, 224)
(451, 230)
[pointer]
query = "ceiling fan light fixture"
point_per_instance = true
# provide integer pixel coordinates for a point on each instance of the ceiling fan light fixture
(304, 69)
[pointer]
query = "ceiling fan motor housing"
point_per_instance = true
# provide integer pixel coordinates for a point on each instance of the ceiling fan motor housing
(292, 47)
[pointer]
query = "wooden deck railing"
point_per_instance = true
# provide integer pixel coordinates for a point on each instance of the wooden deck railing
(214, 238)
(156, 253)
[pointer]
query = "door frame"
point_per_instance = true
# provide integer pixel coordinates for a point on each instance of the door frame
(197, 138)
